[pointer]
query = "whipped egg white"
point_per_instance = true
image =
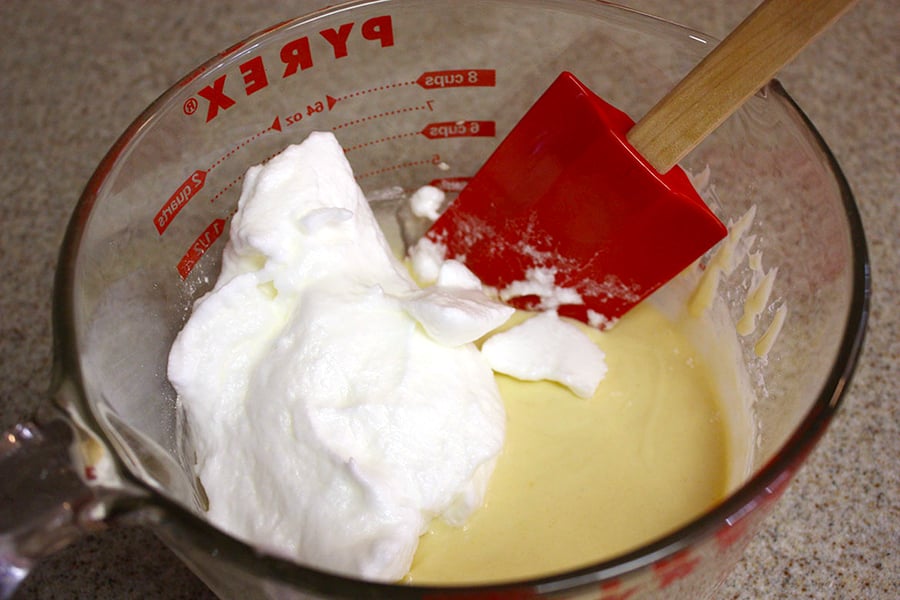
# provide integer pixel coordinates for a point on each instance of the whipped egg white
(335, 407)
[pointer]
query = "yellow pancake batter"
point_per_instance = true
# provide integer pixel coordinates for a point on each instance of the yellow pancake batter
(581, 480)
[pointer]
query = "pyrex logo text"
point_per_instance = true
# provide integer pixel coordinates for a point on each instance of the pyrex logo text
(296, 55)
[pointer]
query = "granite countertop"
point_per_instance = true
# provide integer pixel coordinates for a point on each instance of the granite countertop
(75, 74)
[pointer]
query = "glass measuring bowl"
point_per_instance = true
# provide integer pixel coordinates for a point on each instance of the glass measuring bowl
(416, 92)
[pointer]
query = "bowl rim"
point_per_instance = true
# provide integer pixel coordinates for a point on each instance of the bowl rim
(148, 506)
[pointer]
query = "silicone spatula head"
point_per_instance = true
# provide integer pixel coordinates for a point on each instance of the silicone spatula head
(566, 214)
(571, 212)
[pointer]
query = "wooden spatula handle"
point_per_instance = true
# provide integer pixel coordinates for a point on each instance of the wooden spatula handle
(739, 66)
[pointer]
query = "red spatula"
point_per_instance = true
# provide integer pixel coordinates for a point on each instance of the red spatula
(579, 208)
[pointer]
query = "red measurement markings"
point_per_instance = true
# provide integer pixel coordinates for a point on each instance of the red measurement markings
(311, 109)
(191, 186)
(434, 160)
(387, 113)
(275, 126)
(200, 246)
(389, 138)
(429, 80)
(434, 131)
(379, 88)
(178, 200)
(454, 129)
(230, 185)
(458, 78)
(238, 179)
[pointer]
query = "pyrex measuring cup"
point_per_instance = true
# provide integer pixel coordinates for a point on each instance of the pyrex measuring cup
(416, 92)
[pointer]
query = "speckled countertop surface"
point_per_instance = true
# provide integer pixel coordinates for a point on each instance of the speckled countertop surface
(76, 73)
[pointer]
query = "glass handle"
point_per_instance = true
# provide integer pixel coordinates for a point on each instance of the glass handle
(44, 503)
